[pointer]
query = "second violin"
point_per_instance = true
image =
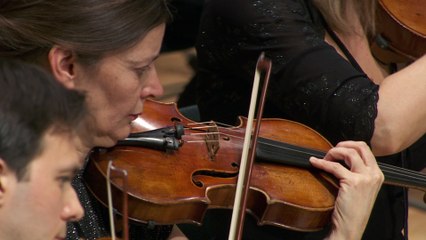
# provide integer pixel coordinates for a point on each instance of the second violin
(401, 31)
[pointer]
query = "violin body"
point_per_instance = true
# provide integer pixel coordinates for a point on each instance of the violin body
(179, 186)
(401, 31)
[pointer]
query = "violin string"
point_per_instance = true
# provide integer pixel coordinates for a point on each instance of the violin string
(213, 123)
(202, 134)
(209, 133)
(202, 128)
(239, 137)
(198, 128)
(402, 172)
(209, 125)
(291, 149)
(208, 141)
(201, 123)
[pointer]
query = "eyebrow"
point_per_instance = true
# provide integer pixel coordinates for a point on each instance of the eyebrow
(144, 60)
(73, 169)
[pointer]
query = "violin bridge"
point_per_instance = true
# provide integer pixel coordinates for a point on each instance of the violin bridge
(212, 140)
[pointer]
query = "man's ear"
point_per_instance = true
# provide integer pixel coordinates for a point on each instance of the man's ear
(5, 175)
(62, 64)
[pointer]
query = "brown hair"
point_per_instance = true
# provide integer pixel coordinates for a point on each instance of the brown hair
(334, 12)
(90, 28)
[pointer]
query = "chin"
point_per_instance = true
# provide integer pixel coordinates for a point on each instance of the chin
(111, 139)
(107, 141)
(108, 144)
(122, 134)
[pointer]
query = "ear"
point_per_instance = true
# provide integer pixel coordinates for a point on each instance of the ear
(62, 64)
(5, 175)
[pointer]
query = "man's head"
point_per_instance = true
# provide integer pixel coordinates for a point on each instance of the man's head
(38, 153)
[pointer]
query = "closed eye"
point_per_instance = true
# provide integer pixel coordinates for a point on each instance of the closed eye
(141, 71)
(63, 180)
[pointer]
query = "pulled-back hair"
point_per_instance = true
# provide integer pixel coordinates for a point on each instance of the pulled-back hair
(31, 103)
(90, 28)
(334, 12)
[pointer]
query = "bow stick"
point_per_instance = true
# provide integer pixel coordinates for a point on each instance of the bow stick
(248, 154)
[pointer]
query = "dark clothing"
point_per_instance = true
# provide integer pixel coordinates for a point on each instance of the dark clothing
(310, 83)
(182, 31)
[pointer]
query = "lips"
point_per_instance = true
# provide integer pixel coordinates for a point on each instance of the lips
(133, 116)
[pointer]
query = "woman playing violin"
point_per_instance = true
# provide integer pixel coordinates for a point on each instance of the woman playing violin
(107, 50)
(324, 75)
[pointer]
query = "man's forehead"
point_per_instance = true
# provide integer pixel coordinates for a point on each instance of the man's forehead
(61, 149)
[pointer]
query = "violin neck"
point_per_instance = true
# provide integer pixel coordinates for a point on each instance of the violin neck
(283, 153)
(403, 177)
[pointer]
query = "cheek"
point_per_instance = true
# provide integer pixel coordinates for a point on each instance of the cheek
(119, 92)
(40, 211)
(112, 97)
(49, 200)
(111, 102)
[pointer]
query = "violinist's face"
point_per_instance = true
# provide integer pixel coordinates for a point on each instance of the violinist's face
(38, 206)
(118, 87)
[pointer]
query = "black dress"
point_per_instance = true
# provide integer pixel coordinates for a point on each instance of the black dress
(310, 83)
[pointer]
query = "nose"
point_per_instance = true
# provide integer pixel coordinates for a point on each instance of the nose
(153, 88)
(72, 211)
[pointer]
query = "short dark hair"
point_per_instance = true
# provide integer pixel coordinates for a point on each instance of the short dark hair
(31, 102)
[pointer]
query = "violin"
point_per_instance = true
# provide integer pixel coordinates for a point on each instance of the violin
(178, 169)
(401, 31)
